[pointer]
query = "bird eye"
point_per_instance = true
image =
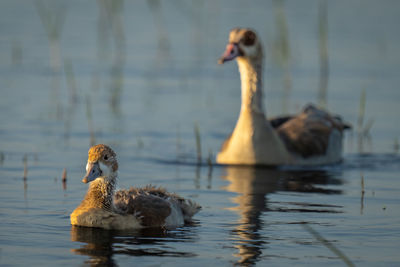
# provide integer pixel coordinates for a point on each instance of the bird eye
(105, 157)
(249, 38)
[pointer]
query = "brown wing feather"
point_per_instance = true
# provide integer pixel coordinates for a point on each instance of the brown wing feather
(150, 206)
(153, 210)
(278, 121)
(308, 133)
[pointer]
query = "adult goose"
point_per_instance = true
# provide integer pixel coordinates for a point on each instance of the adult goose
(312, 137)
(135, 208)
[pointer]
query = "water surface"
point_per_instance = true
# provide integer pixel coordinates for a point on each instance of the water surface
(141, 76)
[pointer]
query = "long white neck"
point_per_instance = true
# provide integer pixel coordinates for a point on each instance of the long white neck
(253, 140)
(251, 82)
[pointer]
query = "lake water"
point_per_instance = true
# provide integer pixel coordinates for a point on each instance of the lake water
(141, 76)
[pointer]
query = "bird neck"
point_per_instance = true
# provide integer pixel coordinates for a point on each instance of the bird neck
(100, 193)
(253, 140)
(251, 84)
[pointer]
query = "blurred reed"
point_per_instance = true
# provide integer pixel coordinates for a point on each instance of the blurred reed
(73, 96)
(25, 162)
(139, 143)
(53, 16)
(396, 145)
(363, 129)
(2, 157)
(210, 168)
(328, 244)
(323, 53)
(64, 179)
(362, 194)
(71, 82)
(25, 176)
(163, 42)
(361, 111)
(111, 27)
(281, 51)
(90, 121)
(178, 143)
(117, 82)
(197, 177)
(210, 157)
(16, 53)
(198, 143)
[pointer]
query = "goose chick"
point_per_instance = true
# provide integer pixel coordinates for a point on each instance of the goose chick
(125, 209)
(312, 137)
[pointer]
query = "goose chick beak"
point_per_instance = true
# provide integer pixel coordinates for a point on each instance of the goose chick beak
(92, 172)
(231, 52)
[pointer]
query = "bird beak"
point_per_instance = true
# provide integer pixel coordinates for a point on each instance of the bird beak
(92, 172)
(231, 52)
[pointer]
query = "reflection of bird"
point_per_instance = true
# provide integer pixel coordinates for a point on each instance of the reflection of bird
(126, 209)
(312, 137)
(97, 243)
(101, 245)
(253, 185)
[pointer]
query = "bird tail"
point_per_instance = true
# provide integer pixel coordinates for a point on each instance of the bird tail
(189, 208)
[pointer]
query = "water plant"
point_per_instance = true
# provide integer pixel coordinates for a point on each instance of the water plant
(198, 142)
(90, 121)
(328, 244)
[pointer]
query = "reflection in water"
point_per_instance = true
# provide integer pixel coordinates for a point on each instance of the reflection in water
(64, 179)
(363, 129)
(362, 194)
(98, 245)
(101, 245)
(25, 178)
(253, 185)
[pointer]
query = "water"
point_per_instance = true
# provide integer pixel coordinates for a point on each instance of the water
(141, 76)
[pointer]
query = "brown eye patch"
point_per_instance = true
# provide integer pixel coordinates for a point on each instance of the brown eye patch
(249, 38)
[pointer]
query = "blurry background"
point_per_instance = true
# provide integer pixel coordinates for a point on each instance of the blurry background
(142, 76)
(136, 69)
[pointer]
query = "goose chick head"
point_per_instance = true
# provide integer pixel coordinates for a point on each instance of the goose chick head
(243, 44)
(102, 163)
